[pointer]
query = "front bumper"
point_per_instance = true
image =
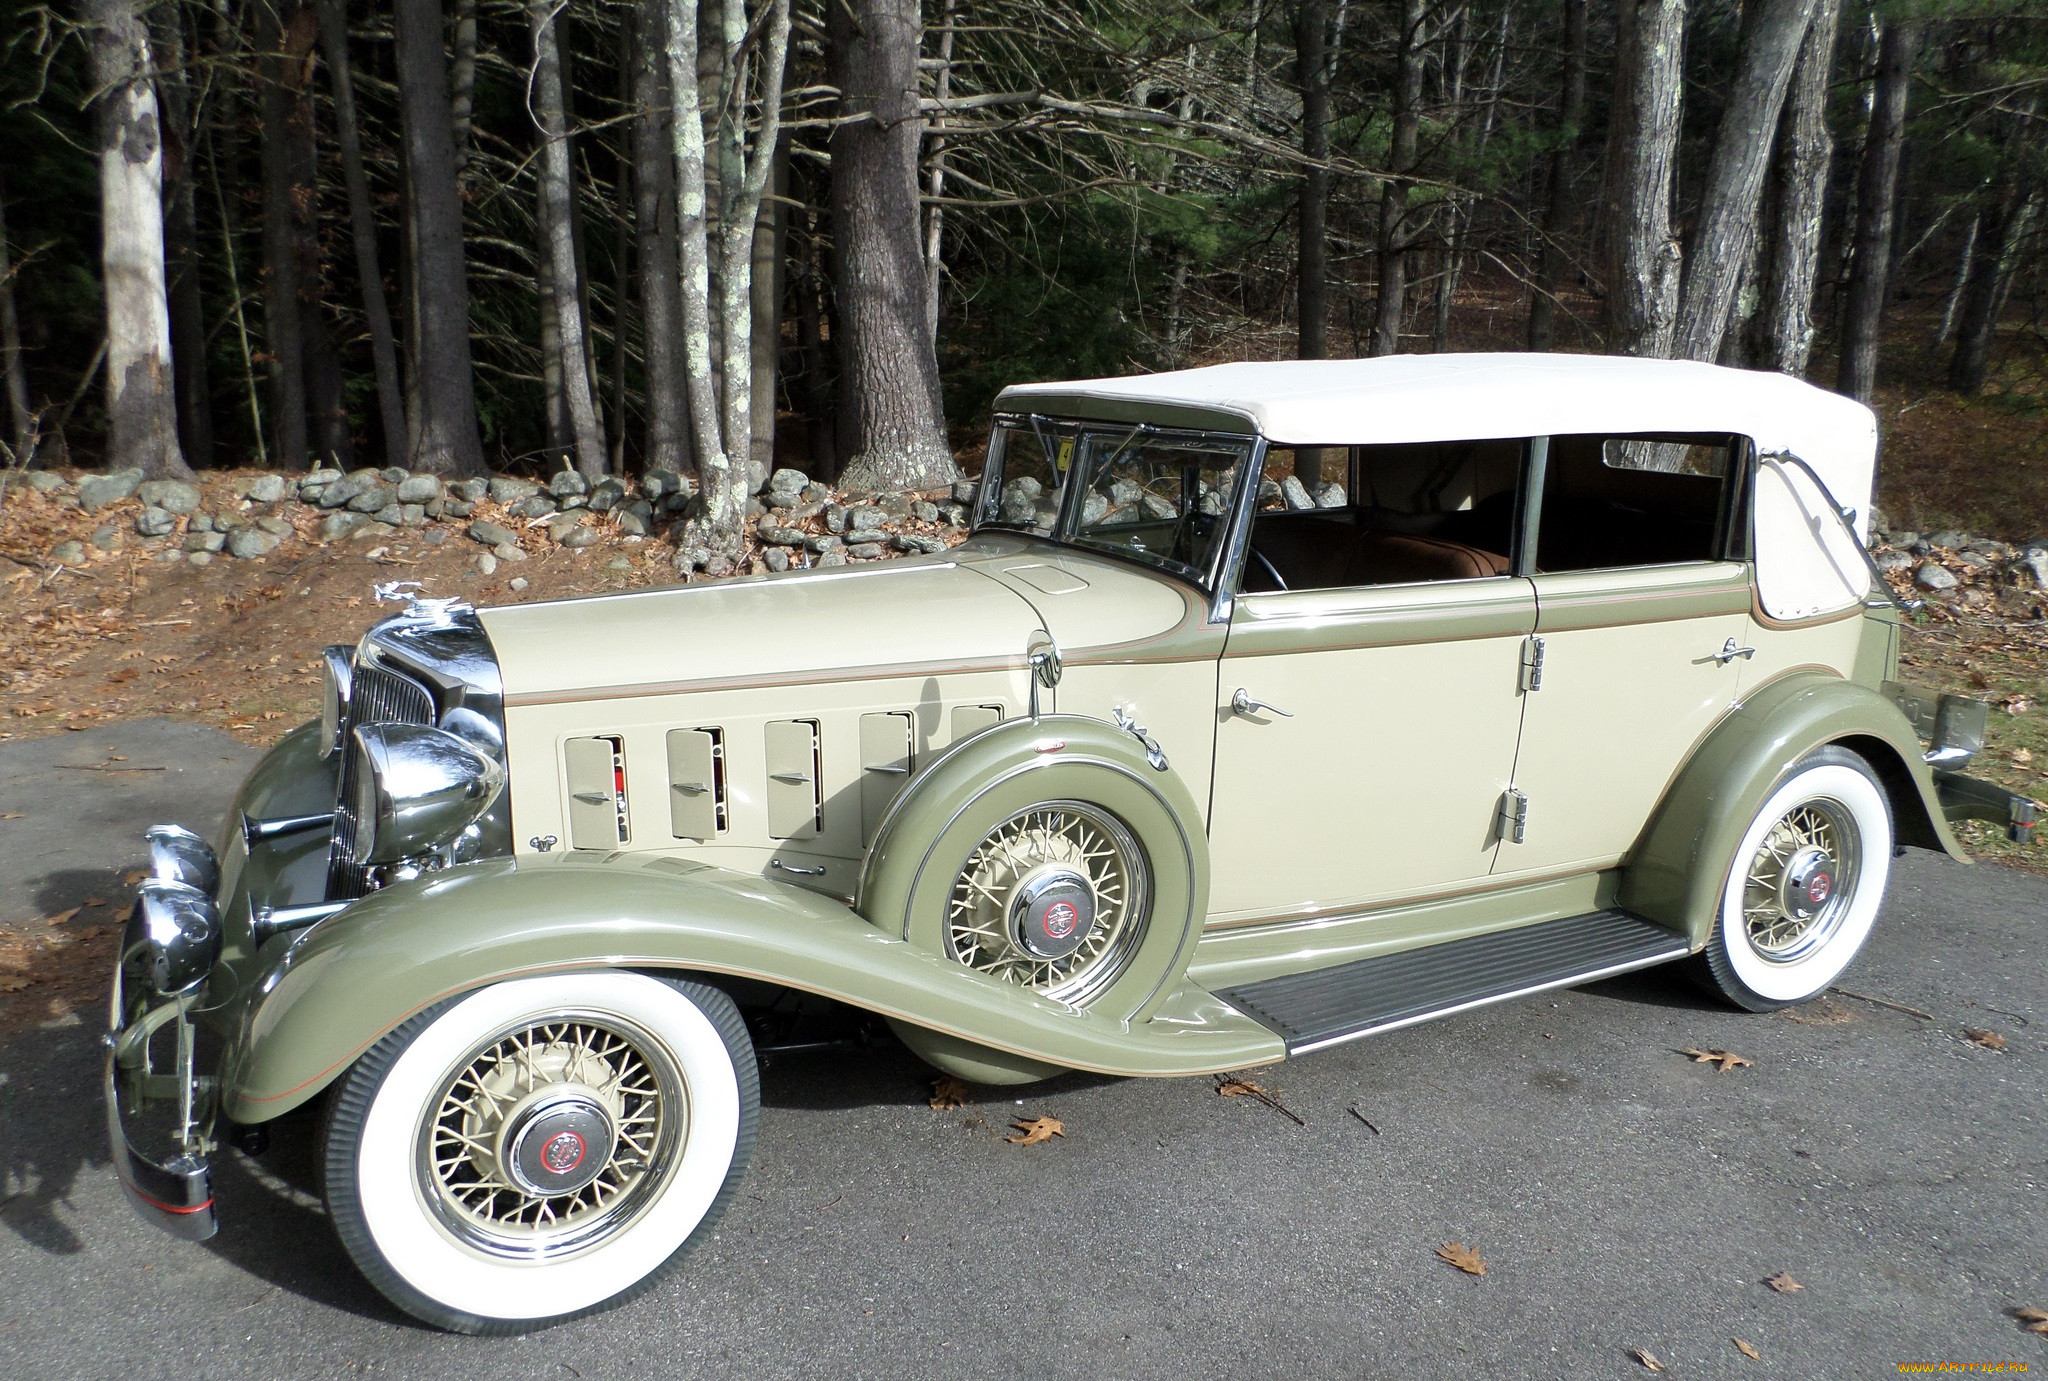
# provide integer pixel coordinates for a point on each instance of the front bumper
(160, 1108)
(1972, 798)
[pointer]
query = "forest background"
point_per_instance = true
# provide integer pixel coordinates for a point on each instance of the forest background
(471, 235)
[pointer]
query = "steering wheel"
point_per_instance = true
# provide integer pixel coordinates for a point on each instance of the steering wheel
(1266, 563)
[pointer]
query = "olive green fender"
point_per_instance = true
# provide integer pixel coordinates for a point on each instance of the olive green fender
(1677, 871)
(319, 1002)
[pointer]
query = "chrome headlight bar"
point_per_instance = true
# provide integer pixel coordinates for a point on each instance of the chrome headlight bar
(417, 789)
(338, 665)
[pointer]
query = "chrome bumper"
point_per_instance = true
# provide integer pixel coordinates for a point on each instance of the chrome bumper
(160, 1108)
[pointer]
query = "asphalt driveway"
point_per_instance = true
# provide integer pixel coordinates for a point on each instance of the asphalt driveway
(1622, 1195)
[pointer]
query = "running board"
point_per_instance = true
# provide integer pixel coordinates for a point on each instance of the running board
(1330, 1006)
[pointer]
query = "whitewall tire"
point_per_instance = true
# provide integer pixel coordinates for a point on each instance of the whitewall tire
(1805, 885)
(542, 1148)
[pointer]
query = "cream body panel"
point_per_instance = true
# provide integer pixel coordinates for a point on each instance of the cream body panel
(1631, 684)
(537, 736)
(1097, 607)
(1830, 645)
(1383, 784)
(887, 619)
(1174, 702)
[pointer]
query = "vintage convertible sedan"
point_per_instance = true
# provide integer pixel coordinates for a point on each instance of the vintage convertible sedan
(1268, 706)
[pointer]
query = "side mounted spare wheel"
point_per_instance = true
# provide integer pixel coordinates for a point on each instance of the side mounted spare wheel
(1049, 856)
(541, 1149)
(1805, 885)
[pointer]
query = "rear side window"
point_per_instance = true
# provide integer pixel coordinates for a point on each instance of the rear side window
(1638, 500)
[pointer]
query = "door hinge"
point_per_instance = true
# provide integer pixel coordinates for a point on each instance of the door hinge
(1532, 664)
(1511, 821)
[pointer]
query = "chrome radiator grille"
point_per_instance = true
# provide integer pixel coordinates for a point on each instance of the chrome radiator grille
(376, 696)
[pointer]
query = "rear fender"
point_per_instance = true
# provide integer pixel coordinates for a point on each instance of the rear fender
(355, 976)
(1677, 871)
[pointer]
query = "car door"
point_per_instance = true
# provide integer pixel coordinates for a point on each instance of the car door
(1638, 639)
(1372, 741)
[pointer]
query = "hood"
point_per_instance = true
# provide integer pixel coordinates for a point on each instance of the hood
(803, 625)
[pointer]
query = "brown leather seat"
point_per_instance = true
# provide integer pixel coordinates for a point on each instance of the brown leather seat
(1400, 558)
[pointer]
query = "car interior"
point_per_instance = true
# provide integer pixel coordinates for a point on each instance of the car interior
(1433, 511)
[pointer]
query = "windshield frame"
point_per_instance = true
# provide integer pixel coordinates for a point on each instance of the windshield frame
(1212, 579)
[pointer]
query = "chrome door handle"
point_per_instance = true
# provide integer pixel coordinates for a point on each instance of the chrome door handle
(1242, 703)
(1729, 652)
(792, 868)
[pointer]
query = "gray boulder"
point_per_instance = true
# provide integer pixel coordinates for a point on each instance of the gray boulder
(576, 538)
(492, 534)
(107, 538)
(507, 490)
(776, 559)
(924, 511)
(43, 482)
(375, 499)
(782, 536)
(97, 491)
(824, 542)
(1123, 492)
(205, 541)
(411, 514)
(155, 522)
(867, 517)
(567, 482)
(631, 523)
(70, 552)
(419, 489)
(1330, 495)
(393, 474)
(911, 541)
(275, 526)
(1931, 576)
(532, 506)
(1162, 509)
(1095, 507)
(866, 551)
(1950, 538)
(340, 524)
(865, 536)
(249, 543)
(340, 493)
(267, 488)
(965, 490)
(457, 508)
(470, 490)
(1893, 561)
(656, 483)
(832, 558)
(787, 481)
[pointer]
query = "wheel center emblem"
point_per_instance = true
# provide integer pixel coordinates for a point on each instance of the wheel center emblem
(1060, 919)
(563, 1153)
(1818, 887)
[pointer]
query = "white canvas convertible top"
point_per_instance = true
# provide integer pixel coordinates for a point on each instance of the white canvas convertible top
(1476, 397)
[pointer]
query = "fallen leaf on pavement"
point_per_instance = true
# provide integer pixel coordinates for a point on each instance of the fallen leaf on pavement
(948, 1092)
(1820, 1012)
(63, 916)
(1035, 1130)
(2033, 1320)
(136, 876)
(1463, 1257)
(1727, 1060)
(1783, 1283)
(13, 815)
(1239, 1088)
(1990, 1040)
(1648, 1359)
(13, 985)
(1748, 1349)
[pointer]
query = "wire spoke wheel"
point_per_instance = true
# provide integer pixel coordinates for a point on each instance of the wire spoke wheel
(552, 1136)
(1800, 881)
(1053, 898)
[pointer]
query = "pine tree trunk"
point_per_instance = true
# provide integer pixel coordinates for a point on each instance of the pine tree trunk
(142, 423)
(654, 226)
(935, 214)
(1877, 194)
(770, 286)
(1722, 236)
(1557, 208)
(1394, 231)
(558, 245)
(284, 338)
(888, 369)
(1312, 211)
(2001, 229)
(1643, 276)
(446, 415)
(20, 420)
(1791, 258)
(462, 80)
(181, 245)
(363, 228)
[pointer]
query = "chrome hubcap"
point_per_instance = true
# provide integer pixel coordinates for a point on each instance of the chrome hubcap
(552, 1137)
(1053, 898)
(1800, 880)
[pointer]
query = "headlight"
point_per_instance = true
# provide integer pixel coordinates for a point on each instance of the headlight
(176, 854)
(340, 663)
(173, 935)
(416, 789)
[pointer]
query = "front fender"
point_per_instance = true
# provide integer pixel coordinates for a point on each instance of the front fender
(1676, 873)
(353, 977)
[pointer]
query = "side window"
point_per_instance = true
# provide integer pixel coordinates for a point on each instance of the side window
(1636, 500)
(1385, 515)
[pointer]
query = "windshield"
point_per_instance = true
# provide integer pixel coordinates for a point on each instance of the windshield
(1156, 496)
